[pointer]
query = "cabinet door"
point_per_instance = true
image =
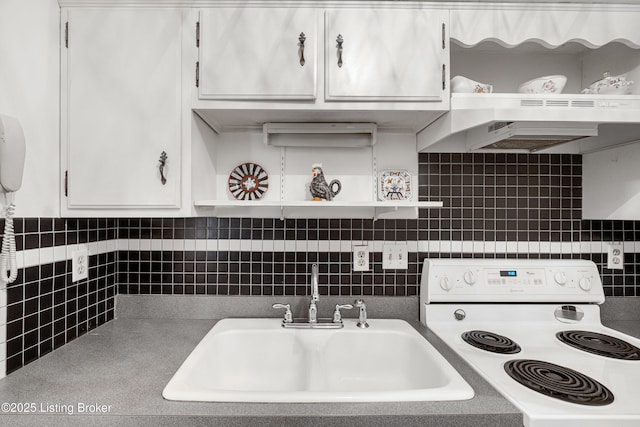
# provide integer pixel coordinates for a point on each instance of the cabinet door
(256, 53)
(122, 107)
(385, 55)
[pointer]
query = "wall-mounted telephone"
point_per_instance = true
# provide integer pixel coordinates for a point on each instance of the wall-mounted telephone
(12, 154)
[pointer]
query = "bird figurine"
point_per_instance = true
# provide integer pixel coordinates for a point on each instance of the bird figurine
(319, 188)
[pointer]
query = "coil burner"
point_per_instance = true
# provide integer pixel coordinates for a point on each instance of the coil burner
(600, 344)
(558, 382)
(489, 341)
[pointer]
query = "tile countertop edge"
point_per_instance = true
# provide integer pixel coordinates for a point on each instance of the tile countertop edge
(97, 369)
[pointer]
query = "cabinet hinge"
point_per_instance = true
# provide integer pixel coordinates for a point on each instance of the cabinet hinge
(443, 35)
(198, 34)
(444, 76)
(66, 183)
(66, 34)
(198, 74)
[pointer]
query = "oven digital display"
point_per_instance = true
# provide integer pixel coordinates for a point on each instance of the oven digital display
(508, 273)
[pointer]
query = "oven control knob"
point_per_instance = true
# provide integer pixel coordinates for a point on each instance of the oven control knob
(469, 277)
(585, 284)
(445, 283)
(560, 278)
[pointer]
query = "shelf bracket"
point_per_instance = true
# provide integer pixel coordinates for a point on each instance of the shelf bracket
(281, 213)
(383, 210)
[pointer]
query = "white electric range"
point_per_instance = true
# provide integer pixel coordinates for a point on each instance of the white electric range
(532, 329)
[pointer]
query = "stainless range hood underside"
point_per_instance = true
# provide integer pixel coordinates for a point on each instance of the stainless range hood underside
(531, 145)
(529, 136)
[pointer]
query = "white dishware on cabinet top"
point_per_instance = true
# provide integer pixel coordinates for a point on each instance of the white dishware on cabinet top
(461, 84)
(545, 84)
(610, 85)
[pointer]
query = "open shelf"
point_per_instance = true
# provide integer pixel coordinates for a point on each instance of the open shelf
(376, 210)
(357, 163)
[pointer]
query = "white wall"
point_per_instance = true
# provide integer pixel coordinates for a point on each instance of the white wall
(29, 90)
(611, 183)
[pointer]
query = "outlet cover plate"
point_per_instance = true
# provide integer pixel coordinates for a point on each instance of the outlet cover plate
(615, 256)
(360, 258)
(80, 264)
(395, 256)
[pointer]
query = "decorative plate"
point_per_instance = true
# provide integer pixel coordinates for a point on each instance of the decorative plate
(248, 181)
(394, 185)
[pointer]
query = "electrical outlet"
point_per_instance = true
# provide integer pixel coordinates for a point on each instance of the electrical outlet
(360, 258)
(615, 257)
(395, 257)
(80, 264)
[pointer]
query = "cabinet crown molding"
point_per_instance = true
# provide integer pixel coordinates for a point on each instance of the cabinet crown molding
(548, 5)
(255, 3)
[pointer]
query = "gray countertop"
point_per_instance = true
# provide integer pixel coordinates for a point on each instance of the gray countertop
(122, 367)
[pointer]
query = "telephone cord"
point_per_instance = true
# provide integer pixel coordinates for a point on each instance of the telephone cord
(8, 256)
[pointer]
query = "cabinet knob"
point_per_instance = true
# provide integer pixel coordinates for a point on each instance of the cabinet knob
(339, 40)
(163, 161)
(301, 40)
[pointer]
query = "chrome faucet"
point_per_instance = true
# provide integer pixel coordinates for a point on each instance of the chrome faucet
(315, 295)
(313, 323)
(362, 318)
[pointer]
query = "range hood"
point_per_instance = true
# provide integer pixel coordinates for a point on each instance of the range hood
(530, 136)
(536, 122)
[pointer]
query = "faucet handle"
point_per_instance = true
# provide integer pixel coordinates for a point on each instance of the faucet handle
(288, 316)
(337, 317)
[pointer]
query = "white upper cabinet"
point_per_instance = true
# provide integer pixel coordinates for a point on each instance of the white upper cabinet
(258, 53)
(271, 53)
(385, 54)
(121, 108)
(279, 64)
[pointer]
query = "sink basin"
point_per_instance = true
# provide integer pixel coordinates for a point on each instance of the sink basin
(257, 360)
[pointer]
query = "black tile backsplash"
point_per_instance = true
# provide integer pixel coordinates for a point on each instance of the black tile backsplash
(45, 309)
(496, 205)
(495, 201)
(259, 273)
(503, 197)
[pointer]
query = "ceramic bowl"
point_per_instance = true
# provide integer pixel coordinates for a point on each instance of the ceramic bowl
(460, 84)
(610, 85)
(545, 84)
